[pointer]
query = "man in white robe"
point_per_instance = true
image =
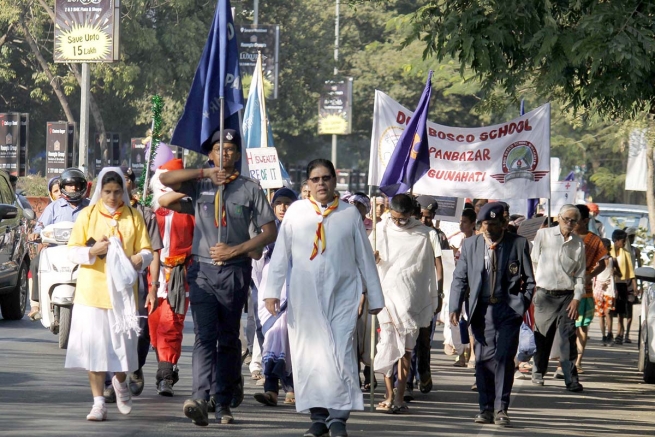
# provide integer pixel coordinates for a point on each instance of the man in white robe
(409, 283)
(326, 283)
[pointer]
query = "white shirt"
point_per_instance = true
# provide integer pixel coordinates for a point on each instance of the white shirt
(436, 243)
(559, 264)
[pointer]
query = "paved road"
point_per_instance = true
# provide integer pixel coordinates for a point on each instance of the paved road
(39, 397)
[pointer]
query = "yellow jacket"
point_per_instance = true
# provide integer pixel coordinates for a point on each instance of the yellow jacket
(625, 263)
(95, 222)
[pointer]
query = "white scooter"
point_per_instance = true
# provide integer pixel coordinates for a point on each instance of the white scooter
(646, 363)
(57, 280)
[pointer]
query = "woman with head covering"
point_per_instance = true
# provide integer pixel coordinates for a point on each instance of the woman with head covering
(110, 242)
(53, 189)
(276, 359)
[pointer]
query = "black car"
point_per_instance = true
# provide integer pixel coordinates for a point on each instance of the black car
(14, 255)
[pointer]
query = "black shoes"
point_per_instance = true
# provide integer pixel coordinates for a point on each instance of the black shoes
(486, 416)
(338, 429)
(318, 429)
(136, 383)
(196, 410)
(165, 388)
(425, 383)
(237, 397)
(224, 415)
(501, 418)
(574, 386)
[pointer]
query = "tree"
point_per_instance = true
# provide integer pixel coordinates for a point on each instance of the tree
(594, 57)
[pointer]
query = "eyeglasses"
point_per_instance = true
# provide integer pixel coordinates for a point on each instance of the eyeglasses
(569, 221)
(400, 221)
(317, 179)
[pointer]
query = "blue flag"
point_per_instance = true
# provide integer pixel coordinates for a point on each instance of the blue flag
(217, 76)
(411, 157)
(256, 128)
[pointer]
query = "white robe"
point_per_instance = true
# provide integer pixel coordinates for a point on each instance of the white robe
(409, 283)
(323, 298)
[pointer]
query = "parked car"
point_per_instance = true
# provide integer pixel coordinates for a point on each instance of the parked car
(14, 258)
(646, 363)
(619, 216)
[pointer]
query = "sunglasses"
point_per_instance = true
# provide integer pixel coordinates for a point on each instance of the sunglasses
(568, 221)
(317, 179)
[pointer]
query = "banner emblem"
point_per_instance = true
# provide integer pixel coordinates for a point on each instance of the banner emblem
(519, 162)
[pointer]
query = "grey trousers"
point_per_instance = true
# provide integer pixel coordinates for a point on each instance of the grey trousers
(550, 320)
(328, 415)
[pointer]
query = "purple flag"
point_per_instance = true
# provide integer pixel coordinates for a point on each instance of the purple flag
(411, 157)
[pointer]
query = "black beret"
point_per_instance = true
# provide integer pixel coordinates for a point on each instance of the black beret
(427, 202)
(229, 136)
(491, 211)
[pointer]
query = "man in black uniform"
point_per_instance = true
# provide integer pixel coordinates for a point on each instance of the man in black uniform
(497, 268)
(219, 276)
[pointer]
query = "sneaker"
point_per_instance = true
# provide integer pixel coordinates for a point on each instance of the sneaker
(318, 429)
(123, 397)
(610, 339)
(618, 339)
(225, 415)
(537, 379)
(237, 397)
(165, 388)
(109, 394)
(502, 419)
(575, 387)
(559, 374)
(605, 340)
(196, 410)
(627, 340)
(338, 429)
(98, 413)
(409, 395)
(136, 382)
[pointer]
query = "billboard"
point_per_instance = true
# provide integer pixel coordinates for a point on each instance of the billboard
(24, 142)
(335, 107)
(59, 147)
(264, 38)
(10, 141)
(138, 155)
(86, 30)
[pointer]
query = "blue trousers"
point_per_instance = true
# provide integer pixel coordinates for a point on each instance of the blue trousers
(496, 330)
(217, 295)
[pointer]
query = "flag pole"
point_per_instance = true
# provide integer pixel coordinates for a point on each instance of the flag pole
(219, 219)
(372, 353)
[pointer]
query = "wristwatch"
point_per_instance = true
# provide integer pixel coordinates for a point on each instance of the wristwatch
(156, 284)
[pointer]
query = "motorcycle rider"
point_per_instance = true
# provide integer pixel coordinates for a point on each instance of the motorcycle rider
(73, 199)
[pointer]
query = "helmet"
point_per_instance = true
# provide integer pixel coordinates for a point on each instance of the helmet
(73, 176)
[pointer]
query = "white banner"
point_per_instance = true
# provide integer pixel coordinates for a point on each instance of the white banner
(563, 192)
(509, 160)
(264, 166)
(636, 174)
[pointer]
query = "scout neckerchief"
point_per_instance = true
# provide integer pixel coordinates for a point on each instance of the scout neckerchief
(230, 178)
(493, 265)
(113, 220)
(320, 229)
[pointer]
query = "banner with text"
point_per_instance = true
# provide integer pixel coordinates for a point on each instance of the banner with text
(265, 166)
(255, 38)
(138, 155)
(10, 141)
(86, 30)
(508, 160)
(59, 147)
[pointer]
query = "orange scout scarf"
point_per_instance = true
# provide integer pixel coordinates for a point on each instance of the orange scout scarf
(113, 220)
(229, 179)
(320, 230)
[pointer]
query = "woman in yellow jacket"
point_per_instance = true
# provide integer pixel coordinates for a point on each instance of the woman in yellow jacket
(110, 243)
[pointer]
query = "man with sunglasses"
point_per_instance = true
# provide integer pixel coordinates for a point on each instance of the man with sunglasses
(558, 256)
(219, 275)
(405, 263)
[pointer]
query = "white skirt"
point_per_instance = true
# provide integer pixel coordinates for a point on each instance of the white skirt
(94, 346)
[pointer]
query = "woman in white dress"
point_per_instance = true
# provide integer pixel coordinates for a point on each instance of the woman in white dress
(110, 243)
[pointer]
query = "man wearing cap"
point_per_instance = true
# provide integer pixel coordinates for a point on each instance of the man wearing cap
(496, 267)
(219, 275)
(560, 265)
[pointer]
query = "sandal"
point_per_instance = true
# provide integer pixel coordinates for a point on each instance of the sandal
(34, 314)
(525, 367)
(256, 375)
(367, 386)
(385, 407)
(400, 409)
(290, 399)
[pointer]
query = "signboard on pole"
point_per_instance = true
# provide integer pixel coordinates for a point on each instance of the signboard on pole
(58, 154)
(86, 30)
(24, 142)
(335, 107)
(138, 155)
(9, 141)
(115, 148)
(265, 166)
(264, 38)
(561, 193)
(449, 208)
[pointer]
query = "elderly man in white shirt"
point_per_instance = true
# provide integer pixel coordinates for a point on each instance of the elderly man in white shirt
(558, 256)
